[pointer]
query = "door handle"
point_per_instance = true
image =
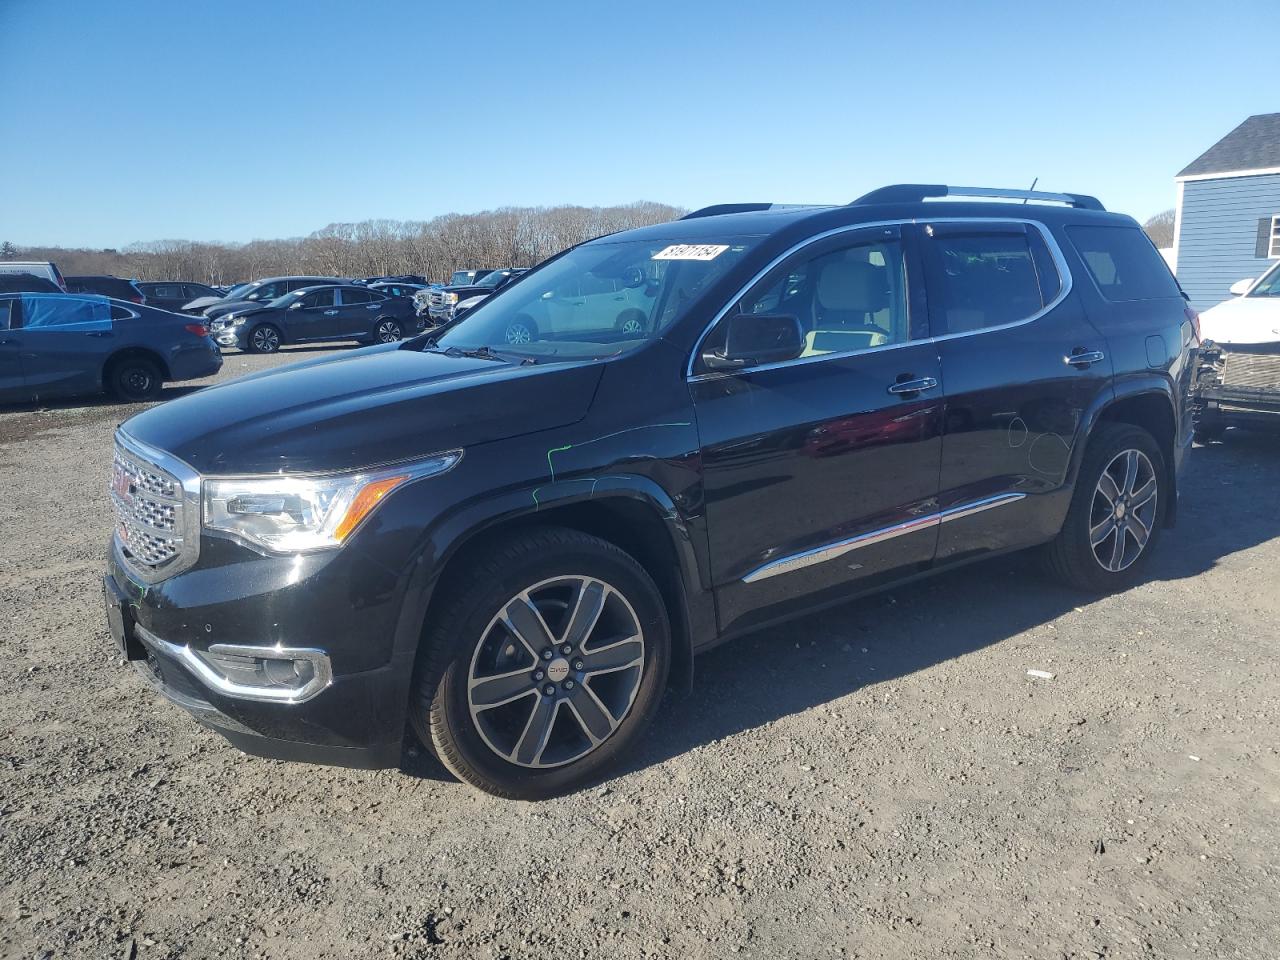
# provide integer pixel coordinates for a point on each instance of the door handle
(331, 313)
(1079, 357)
(913, 386)
(7, 342)
(98, 333)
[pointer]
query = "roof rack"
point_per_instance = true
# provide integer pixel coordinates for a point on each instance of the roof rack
(716, 209)
(916, 192)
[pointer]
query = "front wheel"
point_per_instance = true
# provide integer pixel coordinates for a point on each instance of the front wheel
(520, 330)
(264, 339)
(545, 667)
(1116, 511)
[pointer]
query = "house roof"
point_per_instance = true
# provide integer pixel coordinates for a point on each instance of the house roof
(1254, 145)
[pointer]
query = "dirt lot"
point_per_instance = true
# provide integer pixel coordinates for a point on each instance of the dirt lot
(882, 780)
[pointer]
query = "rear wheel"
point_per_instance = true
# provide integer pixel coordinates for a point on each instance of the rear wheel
(264, 339)
(387, 330)
(631, 323)
(1115, 514)
(545, 668)
(135, 379)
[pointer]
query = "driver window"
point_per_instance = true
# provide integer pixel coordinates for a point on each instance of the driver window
(848, 298)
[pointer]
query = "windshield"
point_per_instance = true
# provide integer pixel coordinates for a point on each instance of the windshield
(460, 277)
(237, 293)
(597, 300)
(1269, 286)
(493, 279)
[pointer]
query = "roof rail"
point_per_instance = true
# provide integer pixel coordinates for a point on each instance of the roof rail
(716, 209)
(916, 192)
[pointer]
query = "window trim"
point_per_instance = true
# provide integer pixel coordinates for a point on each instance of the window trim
(1055, 252)
(1273, 245)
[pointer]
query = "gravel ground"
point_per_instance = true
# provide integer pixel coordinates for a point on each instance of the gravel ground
(881, 780)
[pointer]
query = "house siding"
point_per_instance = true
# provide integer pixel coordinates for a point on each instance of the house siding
(1218, 231)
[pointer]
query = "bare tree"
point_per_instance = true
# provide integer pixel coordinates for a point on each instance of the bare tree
(1160, 228)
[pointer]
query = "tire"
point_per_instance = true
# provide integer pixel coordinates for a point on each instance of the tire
(630, 322)
(1115, 561)
(493, 746)
(264, 338)
(520, 330)
(387, 330)
(135, 379)
(1209, 432)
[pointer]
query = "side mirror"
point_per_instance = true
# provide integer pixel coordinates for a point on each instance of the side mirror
(1241, 287)
(297, 305)
(755, 338)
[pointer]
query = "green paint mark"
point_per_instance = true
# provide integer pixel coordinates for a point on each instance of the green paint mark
(551, 467)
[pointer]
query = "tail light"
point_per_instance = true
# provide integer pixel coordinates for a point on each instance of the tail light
(139, 299)
(1194, 318)
(199, 329)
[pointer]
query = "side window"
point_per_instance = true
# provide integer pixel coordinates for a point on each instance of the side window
(121, 313)
(1123, 263)
(48, 311)
(593, 286)
(350, 296)
(191, 291)
(982, 277)
(268, 291)
(319, 298)
(6, 313)
(847, 298)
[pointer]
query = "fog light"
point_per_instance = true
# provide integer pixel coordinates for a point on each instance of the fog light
(264, 673)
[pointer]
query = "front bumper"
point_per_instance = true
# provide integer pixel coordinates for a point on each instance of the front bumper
(356, 717)
(1238, 385)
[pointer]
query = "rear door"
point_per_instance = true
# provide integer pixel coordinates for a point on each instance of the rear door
(168, 296)
(821, 472)
(357, 308)
(63, 343)
(1021, 363)
(12, 386)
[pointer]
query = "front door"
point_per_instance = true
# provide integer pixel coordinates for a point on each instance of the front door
(315, 316)
(821, 473)
(1022, 363)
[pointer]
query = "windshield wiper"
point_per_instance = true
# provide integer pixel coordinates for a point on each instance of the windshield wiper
(485, 352)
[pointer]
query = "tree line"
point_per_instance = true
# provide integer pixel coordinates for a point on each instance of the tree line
(506, 237)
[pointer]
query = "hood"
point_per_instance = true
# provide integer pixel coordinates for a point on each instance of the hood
(370, 406)
(221, 307)
(199, 303)
(1242, 320)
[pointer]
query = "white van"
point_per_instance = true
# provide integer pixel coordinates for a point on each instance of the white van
(38, 268)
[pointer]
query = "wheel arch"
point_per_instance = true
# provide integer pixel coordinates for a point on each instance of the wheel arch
(1150, 405)
(125, 353)
(641, 521)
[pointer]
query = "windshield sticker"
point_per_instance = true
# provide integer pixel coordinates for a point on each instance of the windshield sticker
(691, 251)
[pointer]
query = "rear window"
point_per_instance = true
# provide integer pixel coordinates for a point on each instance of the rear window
(1123, 263)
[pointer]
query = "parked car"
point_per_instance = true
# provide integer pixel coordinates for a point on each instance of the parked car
(329, 312)
(105, 286)
(36, 268)
(175, 295)
(443, 303)
(1238, 379)
(26, 283)
(56, 345)
(512, 548)
(252, 294)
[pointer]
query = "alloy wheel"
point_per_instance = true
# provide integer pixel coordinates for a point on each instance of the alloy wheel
(518, 333)
(1124, 510)
(388, 331)
(632, 326)
(266, 340)
(556, 671)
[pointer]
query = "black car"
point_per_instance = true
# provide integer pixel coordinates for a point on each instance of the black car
(397, 288)
(175, 295)
(253, 294)
(343, 312)
(27, 283)
(103, 286)
(512, 547)
(57, 345)
(444, 302)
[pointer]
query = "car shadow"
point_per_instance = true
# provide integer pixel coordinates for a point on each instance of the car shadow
(1229, 502)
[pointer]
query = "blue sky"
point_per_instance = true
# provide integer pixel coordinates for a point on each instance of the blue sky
(148, 119)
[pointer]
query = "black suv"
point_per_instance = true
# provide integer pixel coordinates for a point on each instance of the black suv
(174, 295)
(106, 286)
(512, 547)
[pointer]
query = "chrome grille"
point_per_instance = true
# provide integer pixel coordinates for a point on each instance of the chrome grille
(1252, 371)
(151, 516)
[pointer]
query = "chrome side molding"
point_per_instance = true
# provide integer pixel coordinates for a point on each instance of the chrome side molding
(798, 561)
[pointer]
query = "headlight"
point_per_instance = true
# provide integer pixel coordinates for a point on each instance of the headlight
(297, 514)
(450, 298)
(237, 321)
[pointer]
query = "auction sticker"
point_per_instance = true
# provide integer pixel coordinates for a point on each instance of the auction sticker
(691, 251)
